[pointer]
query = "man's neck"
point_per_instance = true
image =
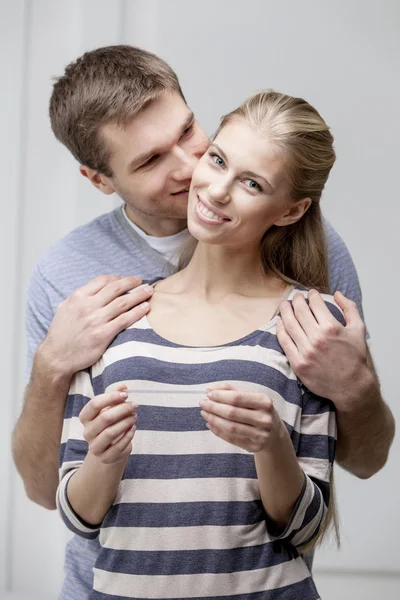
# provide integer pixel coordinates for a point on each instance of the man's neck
(155, 226)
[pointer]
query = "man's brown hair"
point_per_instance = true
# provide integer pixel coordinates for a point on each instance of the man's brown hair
(107, 85)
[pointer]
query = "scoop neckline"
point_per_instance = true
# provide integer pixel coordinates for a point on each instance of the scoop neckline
(239, 341)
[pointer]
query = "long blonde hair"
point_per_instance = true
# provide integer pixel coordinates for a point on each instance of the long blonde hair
(297, 252)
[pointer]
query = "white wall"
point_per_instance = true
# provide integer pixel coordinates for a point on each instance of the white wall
(342, 56)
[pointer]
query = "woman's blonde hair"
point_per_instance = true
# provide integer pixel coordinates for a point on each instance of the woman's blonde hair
(297, 252)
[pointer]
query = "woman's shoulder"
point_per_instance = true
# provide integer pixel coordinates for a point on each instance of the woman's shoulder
(313, 299)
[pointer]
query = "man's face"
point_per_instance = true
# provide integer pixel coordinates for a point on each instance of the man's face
(153, 160)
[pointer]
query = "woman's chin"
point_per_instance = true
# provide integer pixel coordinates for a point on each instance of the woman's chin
(200, 234)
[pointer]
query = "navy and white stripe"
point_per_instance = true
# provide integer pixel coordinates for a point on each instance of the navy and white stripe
(109, 245)
(188, 505)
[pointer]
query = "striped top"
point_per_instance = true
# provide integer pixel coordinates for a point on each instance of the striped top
(188, 521)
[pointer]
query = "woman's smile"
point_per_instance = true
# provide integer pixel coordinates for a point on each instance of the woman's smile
(209, 215)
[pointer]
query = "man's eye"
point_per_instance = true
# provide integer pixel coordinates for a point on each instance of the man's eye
(150, 161)
(188, 130)
(253, 185)
(217, 160)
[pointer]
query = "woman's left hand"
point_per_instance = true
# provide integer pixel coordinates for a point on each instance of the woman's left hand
(245, 419)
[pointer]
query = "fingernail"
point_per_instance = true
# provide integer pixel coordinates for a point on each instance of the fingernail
(202, 403)
(123, 395)
(145, 305)
(149, 289)
(210, 395)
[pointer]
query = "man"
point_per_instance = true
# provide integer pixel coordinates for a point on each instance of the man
(121, 113)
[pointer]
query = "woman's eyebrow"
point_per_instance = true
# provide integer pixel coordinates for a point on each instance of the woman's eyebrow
(251, 174)
(219, 150)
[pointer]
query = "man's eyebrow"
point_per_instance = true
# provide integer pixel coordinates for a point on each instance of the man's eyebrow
(247, 173)
(145, 156)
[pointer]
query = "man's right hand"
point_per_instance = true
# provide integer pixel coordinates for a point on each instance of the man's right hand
(87, 322)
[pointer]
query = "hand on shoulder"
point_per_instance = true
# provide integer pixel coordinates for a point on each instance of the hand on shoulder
(329, 357)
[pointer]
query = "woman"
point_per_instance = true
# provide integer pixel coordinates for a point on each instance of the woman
(215, 501)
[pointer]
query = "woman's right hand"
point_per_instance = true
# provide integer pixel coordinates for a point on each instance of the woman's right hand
(109, 425)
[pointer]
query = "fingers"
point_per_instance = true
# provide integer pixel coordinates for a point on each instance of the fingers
(320, 309)
(108, 420)
(288, 345)
(293, 327)
(97, 284)
(109, 425)
(93, 408)
(228, 412)
(349, 308)
(121, 449)
(304, 315)
(111, 436)
(126, 302)
(236, 440)
(242, 435)
(238, 398)
(117, 288)
(231, 428)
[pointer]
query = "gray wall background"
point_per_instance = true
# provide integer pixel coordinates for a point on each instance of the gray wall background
(344, 58)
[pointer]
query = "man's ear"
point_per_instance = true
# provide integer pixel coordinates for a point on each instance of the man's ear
(100, 181)
(294, 213)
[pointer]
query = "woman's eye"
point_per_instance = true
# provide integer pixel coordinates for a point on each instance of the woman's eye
(217, 160)
(253, 185)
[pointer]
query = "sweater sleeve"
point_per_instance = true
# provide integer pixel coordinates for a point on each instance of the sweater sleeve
(315, 446)
(38, 314)
(343, 275)
(73, 452)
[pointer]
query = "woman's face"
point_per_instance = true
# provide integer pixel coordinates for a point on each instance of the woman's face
(239, 189)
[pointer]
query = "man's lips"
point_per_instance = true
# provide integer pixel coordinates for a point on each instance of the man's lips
(182, 191)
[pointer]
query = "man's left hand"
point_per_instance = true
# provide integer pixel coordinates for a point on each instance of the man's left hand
(330, 359)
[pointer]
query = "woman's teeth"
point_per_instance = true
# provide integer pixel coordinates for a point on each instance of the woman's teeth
(207, 213)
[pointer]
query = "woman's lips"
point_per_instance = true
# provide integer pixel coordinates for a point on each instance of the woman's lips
(208, 215)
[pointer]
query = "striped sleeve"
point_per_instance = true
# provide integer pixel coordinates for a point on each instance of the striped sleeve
(73, 452)
(315, 449)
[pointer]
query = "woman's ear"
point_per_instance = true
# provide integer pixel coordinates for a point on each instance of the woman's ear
(100, 181)
(294, 213)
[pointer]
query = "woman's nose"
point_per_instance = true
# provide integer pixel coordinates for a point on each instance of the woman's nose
(219, 192)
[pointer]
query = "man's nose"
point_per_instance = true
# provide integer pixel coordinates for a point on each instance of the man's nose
(185, 164)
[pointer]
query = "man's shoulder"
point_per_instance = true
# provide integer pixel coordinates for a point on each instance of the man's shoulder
(336, 246)
(105, 245)
(85, 252)
(101, 230)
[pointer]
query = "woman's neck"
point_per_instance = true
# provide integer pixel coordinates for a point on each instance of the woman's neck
(216, 271)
